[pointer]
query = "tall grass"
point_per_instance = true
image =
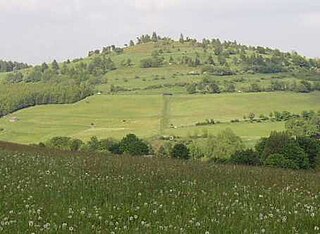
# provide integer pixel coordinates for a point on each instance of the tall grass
(60, 192)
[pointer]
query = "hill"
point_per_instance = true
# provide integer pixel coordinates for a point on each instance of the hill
(56, 191)
(156, 65)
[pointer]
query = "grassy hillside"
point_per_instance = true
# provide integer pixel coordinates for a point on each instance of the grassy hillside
(116, 115)
(248, 79)
(55, 191)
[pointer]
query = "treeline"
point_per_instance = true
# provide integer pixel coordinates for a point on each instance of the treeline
(9, 66)
(207, 85)
(280, 149)
(14, 97)
(130, 144)
(80, 72)
(297, 148)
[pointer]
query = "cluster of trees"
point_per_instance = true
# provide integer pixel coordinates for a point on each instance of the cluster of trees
(14, 97)
(282, 150)
(216, 148)
(106, 50)
(80, 72)
(9, 66)
(100, 65)
(154, 61)
(273, 116)
(130, 144)
(308, 124)
(208, 85)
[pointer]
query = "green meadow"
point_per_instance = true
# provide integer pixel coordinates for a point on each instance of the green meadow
(117, 115)
(66, 192)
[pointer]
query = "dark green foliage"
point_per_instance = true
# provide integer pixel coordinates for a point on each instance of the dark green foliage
(304, 126)
(275, 143)
(62, 143)
(281, 150)
(192, 88)
(12, 66)
(213, 87)
(115, 148)
(14, 97)
(15, 77)
(93, 144)
(218, 70)
(279, 160)
(311, 147)
(100, 66)
(246, 157)
(296, 155)
(55, 65)
(132, 145)
(75, 144)
(180, 151)
(151, 62)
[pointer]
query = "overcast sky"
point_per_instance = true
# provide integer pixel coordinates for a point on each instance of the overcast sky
(34, 31)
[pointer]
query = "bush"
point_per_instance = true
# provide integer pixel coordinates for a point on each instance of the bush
(296, 155)
(115, 148)
(62, 143)
(312, 148)
(246, 157)
(132, 145)
(93, 144)
(180, 151)
(279, 160)
(274, 144)
(75, 144)
(287, 152)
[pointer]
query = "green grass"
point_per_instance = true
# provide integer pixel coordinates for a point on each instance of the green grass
(59, 192)
(115, 116)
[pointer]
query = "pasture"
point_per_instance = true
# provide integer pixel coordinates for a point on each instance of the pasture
(63, 192)
(114, 116)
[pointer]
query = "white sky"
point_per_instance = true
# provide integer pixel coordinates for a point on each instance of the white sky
(34, 31)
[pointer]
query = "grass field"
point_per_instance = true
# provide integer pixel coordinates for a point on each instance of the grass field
(114, 116)
(59, 192)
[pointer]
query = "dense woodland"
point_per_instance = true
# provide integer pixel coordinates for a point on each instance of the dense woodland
(19, 96)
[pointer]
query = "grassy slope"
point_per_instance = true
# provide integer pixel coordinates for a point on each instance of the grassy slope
(61, 192)
(115, 116)
(171, 74)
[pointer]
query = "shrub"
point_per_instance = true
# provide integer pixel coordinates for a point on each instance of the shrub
(312, 148)
(296, 155)
(180, 151)
(246, 157)
(62, 143)
(75, 144)
(164, 150)
(293, 156)
(227, 143)
(196, 150)
(279, 160)
(132, 145)
(115, 148)
(274, 144)
(93, 144)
